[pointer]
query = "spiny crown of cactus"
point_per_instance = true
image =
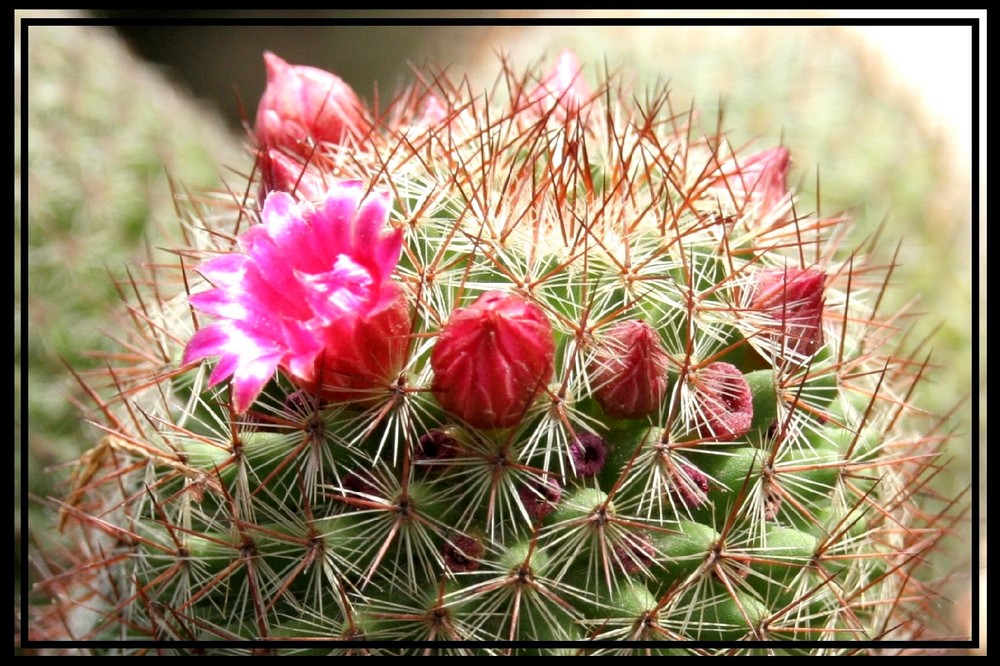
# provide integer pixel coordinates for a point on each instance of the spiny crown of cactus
(541, 364)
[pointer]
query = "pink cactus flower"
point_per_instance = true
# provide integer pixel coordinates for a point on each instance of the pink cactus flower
(563, 90)
(723, 400)
(492, 359)
(311, 293)
(761, 177)
(629, 371)
(302, 105)
(792, 298)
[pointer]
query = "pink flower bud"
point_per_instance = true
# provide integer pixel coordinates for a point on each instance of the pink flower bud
(760, 177)
(492, 359)
(792, 299)
(588, 452)
(434, 112)
(302, 105)
(282, 173)
(540, 498)
(629, 371)
(723, 401)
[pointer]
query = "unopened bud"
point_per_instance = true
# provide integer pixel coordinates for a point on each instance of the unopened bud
(463, 553)
(723, 401)
(792, 299)
(689, 486)
(282, 173)
(629, 371)
(305, 104)
(492, 359)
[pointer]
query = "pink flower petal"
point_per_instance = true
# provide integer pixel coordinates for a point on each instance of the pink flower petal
(333, 221)
(289, 232)
(250, 378)
(205, 343)
(224, 369)
(247, 304)
(224, 270)
(304, 346)
(370, 220)
(338, 293)
(273, 264)
(234, 343)
(388, 251)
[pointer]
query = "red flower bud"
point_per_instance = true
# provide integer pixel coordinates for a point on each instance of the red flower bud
(306, 104)
(492, 359)
(723, 401)
(792, 299)
(629, 371)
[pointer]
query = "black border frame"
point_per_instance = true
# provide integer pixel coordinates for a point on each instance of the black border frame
(972, 17)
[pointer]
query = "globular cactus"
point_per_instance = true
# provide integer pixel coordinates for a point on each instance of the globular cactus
(544, 365)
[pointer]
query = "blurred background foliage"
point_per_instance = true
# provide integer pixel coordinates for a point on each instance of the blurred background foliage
(111, 116)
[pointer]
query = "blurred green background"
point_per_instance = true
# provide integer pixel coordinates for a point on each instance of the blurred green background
(110, 116)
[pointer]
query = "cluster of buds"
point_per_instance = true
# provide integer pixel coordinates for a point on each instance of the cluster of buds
(312, 293)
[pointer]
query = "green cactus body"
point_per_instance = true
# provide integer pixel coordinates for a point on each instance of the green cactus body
(714, 487)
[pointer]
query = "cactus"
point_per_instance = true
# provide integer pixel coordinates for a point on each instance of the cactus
(545, 365)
